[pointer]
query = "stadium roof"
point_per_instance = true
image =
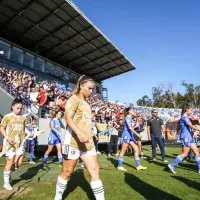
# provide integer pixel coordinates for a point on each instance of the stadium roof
(59, 31)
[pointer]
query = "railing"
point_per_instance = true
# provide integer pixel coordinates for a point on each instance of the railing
(27, 106)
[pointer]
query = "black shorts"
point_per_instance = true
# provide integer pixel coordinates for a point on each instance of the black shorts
(137, 138)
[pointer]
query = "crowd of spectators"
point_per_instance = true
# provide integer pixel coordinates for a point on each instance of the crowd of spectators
(42, 96)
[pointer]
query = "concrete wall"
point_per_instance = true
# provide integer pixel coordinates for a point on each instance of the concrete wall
(44, 125)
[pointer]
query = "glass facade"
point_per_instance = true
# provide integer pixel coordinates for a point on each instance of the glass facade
(17, 55)
(5, 48)
(27, 59)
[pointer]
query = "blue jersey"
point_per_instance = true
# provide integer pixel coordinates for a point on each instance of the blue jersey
(54, 138)
(56, 124)
(31, 142)
(30, 128)
(186, 131)
(127, 131)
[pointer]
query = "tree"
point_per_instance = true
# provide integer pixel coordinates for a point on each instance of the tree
(171, 94)
(144, 101)
(192, 93)
(156, 94)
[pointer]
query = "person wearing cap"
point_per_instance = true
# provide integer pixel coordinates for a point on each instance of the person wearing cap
(128, 139)
(156, 132)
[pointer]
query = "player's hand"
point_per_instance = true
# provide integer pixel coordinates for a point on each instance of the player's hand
(11, 142)
(139, 136)
(82, 137)
(149, 138)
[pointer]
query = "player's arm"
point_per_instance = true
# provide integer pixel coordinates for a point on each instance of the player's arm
(193, 127)
(148, 131)
(27, 132)
(70, 122)
(53, 129)
(133, 131)
(3, 130)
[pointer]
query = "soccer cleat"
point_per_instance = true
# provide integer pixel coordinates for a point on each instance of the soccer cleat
(32, 163)
(164, 160)
(122, 169)
(82, 165)
(98, 152)
(7, 186)
(144, 157)
(172, 169)
(60, 165)
(44, 164)
(141, 167)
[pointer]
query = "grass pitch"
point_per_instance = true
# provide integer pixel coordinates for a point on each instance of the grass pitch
(155, 183)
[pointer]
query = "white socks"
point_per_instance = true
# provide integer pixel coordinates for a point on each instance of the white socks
(6, 176)
(97, 188)
(60, 188)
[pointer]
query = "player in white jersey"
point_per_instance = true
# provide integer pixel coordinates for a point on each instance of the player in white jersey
(13, 129)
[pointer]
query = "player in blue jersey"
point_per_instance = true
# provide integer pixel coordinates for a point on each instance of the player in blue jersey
(54, 138)
(30, 144)
(186, 138)
(128, 139)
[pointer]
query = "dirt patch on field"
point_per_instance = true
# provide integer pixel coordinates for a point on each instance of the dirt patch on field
(16, 192)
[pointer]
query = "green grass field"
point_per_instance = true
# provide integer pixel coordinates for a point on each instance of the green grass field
(156, 183)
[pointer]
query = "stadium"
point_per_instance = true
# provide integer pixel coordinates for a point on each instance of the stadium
(50, 44)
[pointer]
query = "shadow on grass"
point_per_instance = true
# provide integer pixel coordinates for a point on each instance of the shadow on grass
(193, 184)
(146, 190)
(31, 173)
(78, 180)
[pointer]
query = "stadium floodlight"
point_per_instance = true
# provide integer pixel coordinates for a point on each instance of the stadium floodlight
(1, 52)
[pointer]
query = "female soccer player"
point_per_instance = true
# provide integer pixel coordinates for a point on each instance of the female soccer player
(128, 139)
(78, 140)
(186, 138)
(13, 129)
(54, 138)
(31, 143)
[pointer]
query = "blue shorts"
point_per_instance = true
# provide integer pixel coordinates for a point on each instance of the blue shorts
(31, 143)
(53, 140)
(187, 142)
(127, 139)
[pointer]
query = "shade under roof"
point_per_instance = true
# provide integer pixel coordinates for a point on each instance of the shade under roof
(58, 30)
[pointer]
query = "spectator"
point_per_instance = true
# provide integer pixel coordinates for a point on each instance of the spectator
(114, 133)
(42, 102)
(155, 130)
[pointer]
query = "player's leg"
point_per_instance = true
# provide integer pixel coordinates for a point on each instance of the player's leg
(91, 162)
(59, 153)
(136, 154)
(179, 158)
(124, 147)
(69, 163)
(32, 151)
(18, 161)
(196, 153)
(7, 170)
(46, 155)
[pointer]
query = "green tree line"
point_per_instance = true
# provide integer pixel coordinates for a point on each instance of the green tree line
(164, 96)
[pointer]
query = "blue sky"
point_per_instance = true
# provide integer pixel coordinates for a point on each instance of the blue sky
(161, 38)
